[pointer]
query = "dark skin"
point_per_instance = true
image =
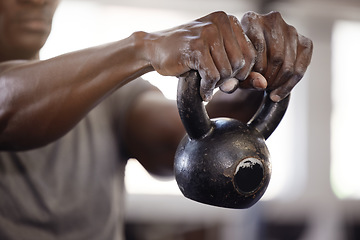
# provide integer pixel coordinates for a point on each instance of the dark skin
(40, 101)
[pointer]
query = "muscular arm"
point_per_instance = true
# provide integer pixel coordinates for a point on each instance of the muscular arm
(41, 100)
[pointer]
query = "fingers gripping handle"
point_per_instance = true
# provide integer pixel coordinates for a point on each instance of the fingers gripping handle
(197, 122)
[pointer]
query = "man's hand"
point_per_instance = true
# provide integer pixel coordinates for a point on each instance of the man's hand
(262, 51)
(214, 45)
(282, 54)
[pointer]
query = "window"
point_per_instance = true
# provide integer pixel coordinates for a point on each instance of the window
(345, 130)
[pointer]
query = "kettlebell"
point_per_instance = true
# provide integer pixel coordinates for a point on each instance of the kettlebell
(223, 162)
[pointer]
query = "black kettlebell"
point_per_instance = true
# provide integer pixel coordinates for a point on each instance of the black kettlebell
(223, 162)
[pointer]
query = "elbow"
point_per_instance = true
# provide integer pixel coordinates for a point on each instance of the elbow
(5, 136)
(17, 134)
(7, 113)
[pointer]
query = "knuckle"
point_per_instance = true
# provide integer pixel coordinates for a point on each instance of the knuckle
(292, 31)
(288, 66)
(234, 19)
(286, 90)
(220, 17)
(259, 46)
(235, 22)
(275, 15)
(215, 45)
(238, 64)
(274, 18)
(300, 69)
(311, 45)
(288, 71)
(246, 63)
(285, 77)
(248, 20)
(209, 79)
(305, 42)
(298, 75)
(219, 13)
(252, 32)
(250, 54)
(196, 45)
(225, 72)
(250, 16)
(209, 31)
(277, 59)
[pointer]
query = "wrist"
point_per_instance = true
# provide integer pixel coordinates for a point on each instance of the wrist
(142, 47)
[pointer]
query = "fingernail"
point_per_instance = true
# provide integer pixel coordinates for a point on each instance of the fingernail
(229, 85)
(275, 98)
(259, 83)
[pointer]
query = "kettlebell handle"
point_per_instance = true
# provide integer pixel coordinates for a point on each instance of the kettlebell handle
(197, 122)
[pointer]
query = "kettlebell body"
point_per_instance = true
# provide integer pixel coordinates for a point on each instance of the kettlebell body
(223, 162)
(229, 167)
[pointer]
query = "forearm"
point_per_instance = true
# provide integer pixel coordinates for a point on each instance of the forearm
(240, 105)
(42, 100)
